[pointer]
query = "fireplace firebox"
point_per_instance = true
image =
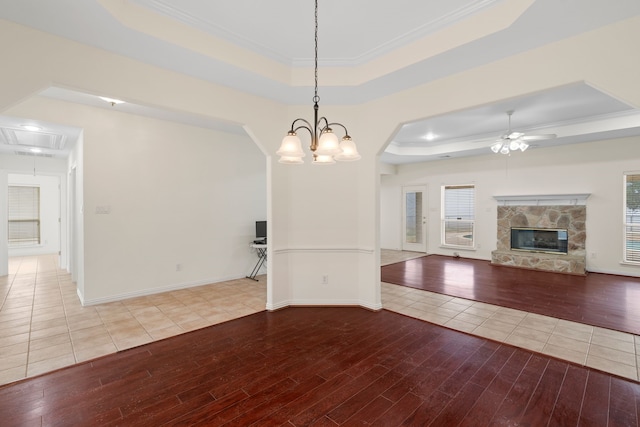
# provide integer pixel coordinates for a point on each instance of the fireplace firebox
(550, 240)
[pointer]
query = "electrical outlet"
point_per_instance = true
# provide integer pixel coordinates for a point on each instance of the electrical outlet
(325, 279)
(178, 267)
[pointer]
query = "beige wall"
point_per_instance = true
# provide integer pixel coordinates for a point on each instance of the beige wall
(322, 221)
(594, 168)
(177, 195)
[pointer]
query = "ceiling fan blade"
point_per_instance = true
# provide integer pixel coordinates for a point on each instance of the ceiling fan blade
(538, 137)
(515, 135)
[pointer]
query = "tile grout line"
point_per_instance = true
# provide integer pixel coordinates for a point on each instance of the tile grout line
(26, 366)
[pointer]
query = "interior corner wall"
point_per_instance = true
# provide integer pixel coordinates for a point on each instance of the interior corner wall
(165, 205)
(390, 214)
(75, 217)
(595, 167)
(326, 253)
(4, 252)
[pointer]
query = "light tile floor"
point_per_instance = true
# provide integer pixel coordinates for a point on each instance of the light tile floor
(604, 349)
(43, 327)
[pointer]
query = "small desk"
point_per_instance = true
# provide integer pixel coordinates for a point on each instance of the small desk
(262, 257)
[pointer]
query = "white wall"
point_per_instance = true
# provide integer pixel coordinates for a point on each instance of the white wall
(596, 168)
(75, 217)
(175, 195)
(4, 250)
(303, 242)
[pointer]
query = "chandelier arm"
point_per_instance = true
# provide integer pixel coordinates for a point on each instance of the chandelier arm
(303, 127)
(306, 125)
(346, 132)
(319, 123)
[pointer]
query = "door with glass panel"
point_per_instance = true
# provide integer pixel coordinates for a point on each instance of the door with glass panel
(414, 218)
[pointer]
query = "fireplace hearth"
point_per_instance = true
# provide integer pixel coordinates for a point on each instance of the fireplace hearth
(542, 233)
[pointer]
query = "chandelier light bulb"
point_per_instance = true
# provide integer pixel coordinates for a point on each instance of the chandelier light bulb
(328, 144)
(349, 151)
(290, 147)
(323, 160)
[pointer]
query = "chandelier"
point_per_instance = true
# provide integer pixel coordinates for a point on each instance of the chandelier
(325, 147)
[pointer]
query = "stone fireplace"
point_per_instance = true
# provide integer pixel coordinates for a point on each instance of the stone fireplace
(542, 217)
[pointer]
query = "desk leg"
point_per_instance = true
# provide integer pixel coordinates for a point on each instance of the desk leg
(262, 254)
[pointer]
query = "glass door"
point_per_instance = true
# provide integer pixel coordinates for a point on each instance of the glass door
(414, 218)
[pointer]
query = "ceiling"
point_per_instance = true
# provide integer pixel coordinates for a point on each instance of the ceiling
(261, 32)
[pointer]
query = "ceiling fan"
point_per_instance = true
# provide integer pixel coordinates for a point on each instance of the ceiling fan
(512, 141)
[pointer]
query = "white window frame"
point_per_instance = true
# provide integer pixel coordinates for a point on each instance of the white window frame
(461, 222)
(630, 256)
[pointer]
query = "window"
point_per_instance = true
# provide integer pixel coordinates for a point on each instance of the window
(458, 215)
(632, 218)
(24, 216)
(413, 217)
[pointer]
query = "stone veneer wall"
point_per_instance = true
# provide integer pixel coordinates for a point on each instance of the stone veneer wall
(571, 217)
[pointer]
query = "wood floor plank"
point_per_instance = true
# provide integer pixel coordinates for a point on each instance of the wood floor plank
(594, 299)
(285, 368)
(566, 411)
(595, 404)
(541, 404)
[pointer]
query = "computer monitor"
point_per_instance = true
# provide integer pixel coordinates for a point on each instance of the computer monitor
(261, 229)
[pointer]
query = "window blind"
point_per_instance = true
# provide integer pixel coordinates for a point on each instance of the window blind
(632, 218)
(24, 215)
(458, 215)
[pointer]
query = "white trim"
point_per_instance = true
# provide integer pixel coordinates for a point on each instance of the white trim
(153, 291)
(323, 250)
(325, 303)
(461, 248)
(280, 305)
(629, 263)
(80, 296)
(578, 199)
(614, 272)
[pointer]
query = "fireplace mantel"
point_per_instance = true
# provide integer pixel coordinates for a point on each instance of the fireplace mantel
(544, 200)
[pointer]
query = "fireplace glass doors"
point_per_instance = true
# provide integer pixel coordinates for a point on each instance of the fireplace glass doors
(550, 240)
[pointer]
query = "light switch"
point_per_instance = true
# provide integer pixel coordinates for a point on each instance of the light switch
(103, 210)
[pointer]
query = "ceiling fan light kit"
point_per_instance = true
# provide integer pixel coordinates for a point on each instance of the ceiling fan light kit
(514, 141)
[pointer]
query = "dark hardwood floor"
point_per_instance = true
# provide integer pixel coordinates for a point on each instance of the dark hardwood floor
(604, 300)
(323, 367)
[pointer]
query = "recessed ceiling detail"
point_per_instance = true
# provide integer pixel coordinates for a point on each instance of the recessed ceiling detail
(255, 32)
(29, 153)
(574, 113)
(44, 140)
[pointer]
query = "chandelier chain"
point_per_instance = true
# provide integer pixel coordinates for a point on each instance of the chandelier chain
(325, 146)
(316, 98)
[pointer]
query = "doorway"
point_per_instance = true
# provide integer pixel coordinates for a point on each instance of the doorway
(414, 218)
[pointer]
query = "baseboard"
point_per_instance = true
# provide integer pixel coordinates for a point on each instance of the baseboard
(153, 291)
(324, 303)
